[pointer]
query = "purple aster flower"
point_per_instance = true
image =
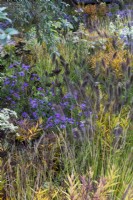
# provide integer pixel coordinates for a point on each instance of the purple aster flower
(21, 73)
(33, 103)
(67, 96)
(64, 104)
(87, 113)
(13, 102)
(72, 107)
(49, 104)
(40, 89)
(63, 126)
(49, 125)
(9, 98)
(16, 95)
(49, 122)
(83, 106)
(11, 66)
(13, 76)
(75, 95)
(82, 124)
(57, 121)
(25, 67)
(70, 120)
(63, 118)
(14, 64)
(35, 115)
(109, 14)
(41, 102)
(25, 115)
(60, 117)
(49, 119)
(13, 83)
(25, 85)
(6, 81)
(123, 13)
(21, 122)
(36, 75)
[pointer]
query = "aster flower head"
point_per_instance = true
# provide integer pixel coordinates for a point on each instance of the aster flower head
(16, 95)
(25, 85)
(83, 106)
(6, 81)
(25, 67)
(21, 73)
(62, 126)
(33, 103)
(40, 89)
(25, 115)
(11, 66)
(13, 83)
(35, 115)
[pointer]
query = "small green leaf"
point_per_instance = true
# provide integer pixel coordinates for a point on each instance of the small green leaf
(11, 31)
(2, 9)
(3, 36)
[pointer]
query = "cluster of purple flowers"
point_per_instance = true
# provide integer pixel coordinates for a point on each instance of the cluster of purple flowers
(59, 120)
(124, 13)
(31, 101)
(17, 90)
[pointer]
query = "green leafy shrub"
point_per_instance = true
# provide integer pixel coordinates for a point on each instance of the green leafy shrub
(5, 35)
(43, 19)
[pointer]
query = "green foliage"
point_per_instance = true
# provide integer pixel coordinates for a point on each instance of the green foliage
(43, 16)
(3, 15)
(5, 35)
